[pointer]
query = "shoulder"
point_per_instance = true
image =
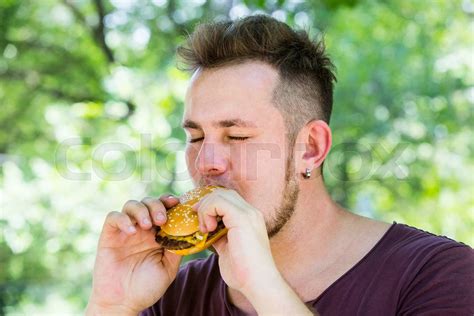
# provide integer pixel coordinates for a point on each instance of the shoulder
(414, 243)
(439, 271)
(420, 251)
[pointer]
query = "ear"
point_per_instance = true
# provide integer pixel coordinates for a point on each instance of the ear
(315, 140)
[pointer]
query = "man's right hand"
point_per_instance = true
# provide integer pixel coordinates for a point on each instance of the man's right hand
(131, 270)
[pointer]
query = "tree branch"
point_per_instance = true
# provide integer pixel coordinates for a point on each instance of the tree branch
(170, 9)
(77, 14)
(20, 75)
(100, 31)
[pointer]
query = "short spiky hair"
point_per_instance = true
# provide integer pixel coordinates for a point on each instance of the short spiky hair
(305, 89)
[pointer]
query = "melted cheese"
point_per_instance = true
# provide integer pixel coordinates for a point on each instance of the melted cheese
(197, 239)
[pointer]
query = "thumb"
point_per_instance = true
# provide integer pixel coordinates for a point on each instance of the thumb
(221, 245)
(173, 259)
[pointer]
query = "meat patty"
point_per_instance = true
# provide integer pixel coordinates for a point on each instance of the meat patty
(173, 244)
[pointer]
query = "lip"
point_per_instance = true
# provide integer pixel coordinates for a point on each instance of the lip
(206, 182)
(217, 184)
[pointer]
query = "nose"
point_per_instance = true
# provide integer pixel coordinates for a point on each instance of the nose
(212, 159)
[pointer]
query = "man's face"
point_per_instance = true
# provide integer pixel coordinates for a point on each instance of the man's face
(236, 138)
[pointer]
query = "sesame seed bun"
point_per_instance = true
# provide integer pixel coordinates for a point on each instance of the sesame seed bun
(181, 233)
(182, 221)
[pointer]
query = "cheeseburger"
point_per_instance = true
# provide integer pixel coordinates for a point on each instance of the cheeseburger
(181, 233)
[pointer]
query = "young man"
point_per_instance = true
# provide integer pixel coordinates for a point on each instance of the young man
(257, 113)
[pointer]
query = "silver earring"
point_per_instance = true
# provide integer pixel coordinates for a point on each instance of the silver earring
(307, 173)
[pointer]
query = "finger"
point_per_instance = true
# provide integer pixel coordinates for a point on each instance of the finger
(139, 212)
(119, 221)
(157, 210)
(219, 204)
(207, 214)
(169, 200)
(202, 225)
(211, 222)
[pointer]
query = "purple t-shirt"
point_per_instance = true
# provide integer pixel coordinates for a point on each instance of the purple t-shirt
(408, 272)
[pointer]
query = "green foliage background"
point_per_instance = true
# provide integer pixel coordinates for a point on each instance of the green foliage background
(90, 101)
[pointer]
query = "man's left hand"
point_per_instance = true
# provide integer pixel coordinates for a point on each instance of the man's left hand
(245, 258)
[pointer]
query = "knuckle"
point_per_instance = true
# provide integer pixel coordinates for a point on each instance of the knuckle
(119, 218)
(153, 204)
(200, 211)
(133, 207)
(255, 215)
(220, 194)
(147, 199)
(159, 211)
(206, 208)
(130, 204)
(158, 207)
(112, 215)
(232, 192)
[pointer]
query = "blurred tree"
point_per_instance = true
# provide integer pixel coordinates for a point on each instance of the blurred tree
(91, 102)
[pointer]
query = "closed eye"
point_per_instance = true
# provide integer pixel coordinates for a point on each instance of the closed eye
(238, 138)
(196, 140)
(230, 137)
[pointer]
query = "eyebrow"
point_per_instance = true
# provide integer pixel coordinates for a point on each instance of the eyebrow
(223, 124)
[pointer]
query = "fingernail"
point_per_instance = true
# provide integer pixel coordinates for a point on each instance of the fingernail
(160, 217)
(146, 221)
(132, 229)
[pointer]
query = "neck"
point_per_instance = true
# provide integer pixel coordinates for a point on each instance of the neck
(318, 244)
(308, 240)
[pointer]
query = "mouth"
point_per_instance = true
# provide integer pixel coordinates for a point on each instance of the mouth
(205, 182)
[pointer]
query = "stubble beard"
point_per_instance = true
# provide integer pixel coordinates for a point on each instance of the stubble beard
(286, 209)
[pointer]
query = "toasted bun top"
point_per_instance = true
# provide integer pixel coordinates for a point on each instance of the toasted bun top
(192, 197)
(182, 219)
